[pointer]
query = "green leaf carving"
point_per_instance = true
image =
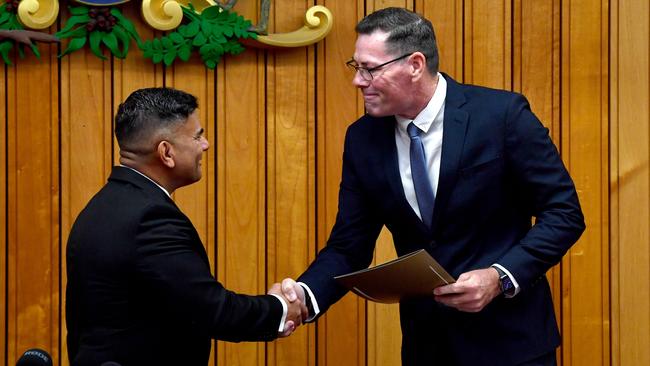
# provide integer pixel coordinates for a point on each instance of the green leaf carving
(123, 38)
(169, 57)
(157, 57)
(110, 41)
(94, 39)
(214, 32)
(199, 40)
(78, 10)
(5, 47)
(185, 52)
(166, 42)
(73, 21)
(176, 37)
(211, 12)
(75, 44)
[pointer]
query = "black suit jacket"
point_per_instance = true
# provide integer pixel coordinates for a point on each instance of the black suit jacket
(139, 288)
(499, 169)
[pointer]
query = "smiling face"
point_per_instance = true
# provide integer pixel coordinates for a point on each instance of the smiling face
(188, 144)
(388, 93)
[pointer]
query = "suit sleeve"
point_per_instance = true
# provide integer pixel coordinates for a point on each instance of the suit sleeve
(546, 189)
(351, 243)
(171, 264)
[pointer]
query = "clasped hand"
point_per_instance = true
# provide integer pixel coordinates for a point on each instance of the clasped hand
(472, 292)
(296, 307)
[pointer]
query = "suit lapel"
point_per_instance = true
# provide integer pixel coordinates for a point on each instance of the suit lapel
(454, 130)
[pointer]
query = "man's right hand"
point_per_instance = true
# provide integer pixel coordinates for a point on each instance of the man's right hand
(296, 310)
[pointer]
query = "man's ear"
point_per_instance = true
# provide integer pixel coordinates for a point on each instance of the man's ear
(166, 153)
(418, 64)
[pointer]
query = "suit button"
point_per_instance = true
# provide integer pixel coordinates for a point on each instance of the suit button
(433, 244)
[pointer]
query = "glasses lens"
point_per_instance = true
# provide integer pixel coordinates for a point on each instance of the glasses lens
(365, 74)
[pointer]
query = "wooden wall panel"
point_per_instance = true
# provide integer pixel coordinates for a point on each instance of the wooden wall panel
(33, 205)
(291, 195)
(241, 210)
(3, 212)
(630, 182)
(276, 122)
(338, 105)
(488, 48)
(447, 19)
(536, 74)
(86, 144)
(241, 253)
(585, 273)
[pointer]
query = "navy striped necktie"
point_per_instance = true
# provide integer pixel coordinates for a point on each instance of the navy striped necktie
(421, 183)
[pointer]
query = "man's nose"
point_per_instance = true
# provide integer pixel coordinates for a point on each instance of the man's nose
(359, 81)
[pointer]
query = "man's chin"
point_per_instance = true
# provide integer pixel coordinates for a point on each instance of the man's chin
(376, 113)
(376, 110)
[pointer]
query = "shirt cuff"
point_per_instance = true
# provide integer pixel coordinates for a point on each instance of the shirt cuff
(284, 312)
(314, 304)
(512, 278)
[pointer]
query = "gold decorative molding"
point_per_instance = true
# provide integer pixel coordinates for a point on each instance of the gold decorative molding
(318, 24)
(167, 14)
(37, 14)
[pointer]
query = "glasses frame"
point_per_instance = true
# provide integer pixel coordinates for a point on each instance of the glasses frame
(360, 69)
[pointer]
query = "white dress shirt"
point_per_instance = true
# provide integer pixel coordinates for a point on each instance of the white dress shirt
(429, 121)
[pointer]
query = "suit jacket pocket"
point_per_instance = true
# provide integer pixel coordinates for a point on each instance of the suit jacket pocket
(480, 168)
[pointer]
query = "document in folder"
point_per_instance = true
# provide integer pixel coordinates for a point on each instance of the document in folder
(412, 275)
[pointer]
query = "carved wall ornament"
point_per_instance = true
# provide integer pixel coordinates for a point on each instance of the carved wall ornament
(209, 27)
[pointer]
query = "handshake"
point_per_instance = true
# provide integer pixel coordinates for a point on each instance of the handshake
(294, 296)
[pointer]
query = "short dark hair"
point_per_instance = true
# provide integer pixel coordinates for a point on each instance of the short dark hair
(408, 32)
(148, 110)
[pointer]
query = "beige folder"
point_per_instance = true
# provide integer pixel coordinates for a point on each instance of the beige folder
(412, 275)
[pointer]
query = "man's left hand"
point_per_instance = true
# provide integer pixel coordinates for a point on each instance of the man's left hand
(472, 291)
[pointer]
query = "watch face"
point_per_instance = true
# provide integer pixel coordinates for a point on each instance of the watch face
(506, 285)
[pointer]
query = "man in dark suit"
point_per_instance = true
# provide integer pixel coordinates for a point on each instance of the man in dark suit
(139, 289)
(459, 171)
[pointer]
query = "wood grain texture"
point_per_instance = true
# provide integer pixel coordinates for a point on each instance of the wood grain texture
(536, 74)
(290, 170)
(241, 166)
(488, 48)
(338, 105)
(630, 182)
(585, 305)
(276, 122)
(3, 213)
(33, 198)
(86, 144)
(447, 19)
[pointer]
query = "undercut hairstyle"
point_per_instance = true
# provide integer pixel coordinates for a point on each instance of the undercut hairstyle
(148, 112)
(408, 32)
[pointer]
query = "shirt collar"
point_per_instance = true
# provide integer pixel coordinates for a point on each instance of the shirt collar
(152, 181)
(427, 116)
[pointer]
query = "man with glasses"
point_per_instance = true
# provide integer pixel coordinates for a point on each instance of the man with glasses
(459, 171)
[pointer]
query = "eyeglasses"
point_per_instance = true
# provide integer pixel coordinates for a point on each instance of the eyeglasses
(366, 73)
